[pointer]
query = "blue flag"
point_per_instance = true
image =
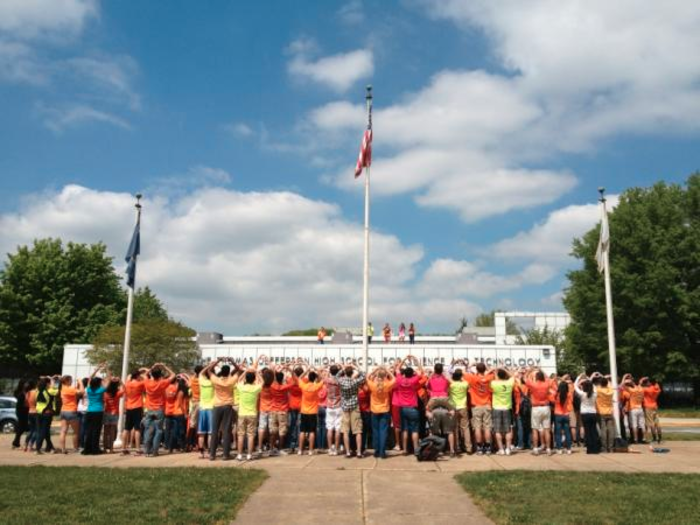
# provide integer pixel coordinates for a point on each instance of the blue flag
(131, 254)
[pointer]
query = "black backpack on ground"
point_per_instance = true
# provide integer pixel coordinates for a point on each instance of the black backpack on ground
(429, 448)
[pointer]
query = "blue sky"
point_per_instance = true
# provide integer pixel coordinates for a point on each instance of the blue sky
(240, 121)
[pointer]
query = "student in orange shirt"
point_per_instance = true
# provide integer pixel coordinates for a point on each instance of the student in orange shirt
(651, 391)
(133, 407)
(222, 414)
(175, 414)
(380, 383)
(193, 414)
(69, 411)
(294, 407)
(636, 414)
(112, 395)
(279, 410)
(563, 406)
(480, 402)
(265, 410)
(310, 383)
(155, 386)
(540, 388)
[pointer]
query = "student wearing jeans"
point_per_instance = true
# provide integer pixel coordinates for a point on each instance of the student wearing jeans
(155, 387)
(563, 406)
(222, 414)
(380, 383)
(586, 393)
(407, 385)
(604, 405)
(294, 409)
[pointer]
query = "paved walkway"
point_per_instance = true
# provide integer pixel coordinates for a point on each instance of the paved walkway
(366, 491)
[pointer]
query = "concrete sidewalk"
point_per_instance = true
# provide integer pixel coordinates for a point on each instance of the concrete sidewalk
(362, 491)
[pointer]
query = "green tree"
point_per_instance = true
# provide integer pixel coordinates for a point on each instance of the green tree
(147, 307)
(152, 341)
(655, 275)
(50, 295)
(567, 361)
(489, 319)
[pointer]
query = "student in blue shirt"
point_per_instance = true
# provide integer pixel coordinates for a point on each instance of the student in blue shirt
(95, 411)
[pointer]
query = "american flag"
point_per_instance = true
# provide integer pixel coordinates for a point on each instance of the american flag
(364, 159)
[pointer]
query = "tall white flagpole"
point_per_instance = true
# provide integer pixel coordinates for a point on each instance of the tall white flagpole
(609, 311)
(365, 296)
(127, 337)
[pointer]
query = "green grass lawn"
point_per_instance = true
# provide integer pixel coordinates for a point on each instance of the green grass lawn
(679, 436)
(584, 497)
(680, 412)
(56, 495)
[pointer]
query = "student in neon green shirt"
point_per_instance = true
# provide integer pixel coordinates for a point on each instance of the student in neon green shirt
(248, 391)
(502, 404)
(206, 405)
(458, 397)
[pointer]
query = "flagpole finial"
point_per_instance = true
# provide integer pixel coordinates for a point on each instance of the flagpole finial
(138, 200)
(601, 190)
(369, 91)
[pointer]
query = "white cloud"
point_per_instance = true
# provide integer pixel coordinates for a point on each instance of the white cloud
(112, 76)
(550, 240)
(577, 73)
(29, 19)
(262, 261)
(239, 129)
(447, 277)
(352, 13)
(338, 72)
(58, 119)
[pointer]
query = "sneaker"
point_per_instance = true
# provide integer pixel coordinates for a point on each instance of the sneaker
(360, 455)
(311, 452)
(249, 457)
(560, 451)
(452, 454)
(274, 452)
(508, 452)
(501, 452)
(549, 452)
(299, 452)
(332, 451)
(239, 457)
(488, 451)
(479, 452)
(535, 451)
(568, 451)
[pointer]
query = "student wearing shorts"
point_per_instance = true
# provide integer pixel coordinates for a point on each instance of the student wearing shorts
(502, 392)
(406, 388)
(69, 411)
(248, 391)
(636, 414)
(458, 397)
(310, 384)
(133, 405)
(334, 414)
(480, 398)
(651, 391)
(193, 414)
(350, 382)
(540, 395)
(279, 413)
(268, 377)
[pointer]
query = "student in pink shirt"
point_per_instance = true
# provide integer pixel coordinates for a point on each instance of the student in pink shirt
(406, 390)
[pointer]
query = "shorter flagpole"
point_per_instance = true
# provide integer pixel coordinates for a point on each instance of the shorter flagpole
(611, 321)
(127, 337)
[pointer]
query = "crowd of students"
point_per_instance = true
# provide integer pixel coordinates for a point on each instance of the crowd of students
(297, 408)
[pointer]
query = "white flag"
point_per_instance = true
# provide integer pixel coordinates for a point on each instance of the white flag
(603, 243)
